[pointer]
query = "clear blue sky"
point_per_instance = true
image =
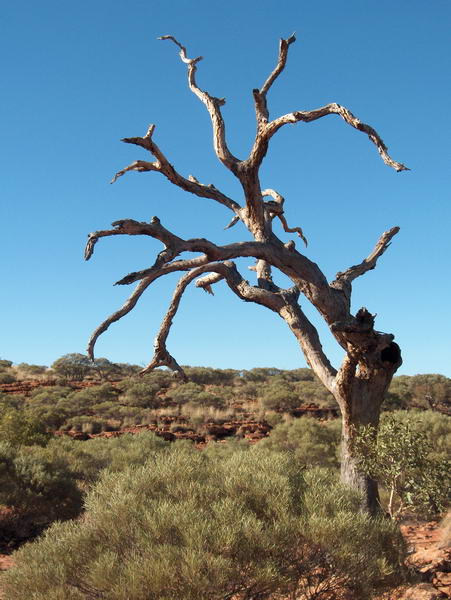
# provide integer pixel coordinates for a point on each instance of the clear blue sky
(78, 76)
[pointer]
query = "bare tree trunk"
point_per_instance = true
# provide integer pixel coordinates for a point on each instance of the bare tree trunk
(350, 473)
(360, 403)
(371, 357)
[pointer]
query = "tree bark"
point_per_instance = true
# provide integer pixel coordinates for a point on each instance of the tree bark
(371, 357)
(360, 402)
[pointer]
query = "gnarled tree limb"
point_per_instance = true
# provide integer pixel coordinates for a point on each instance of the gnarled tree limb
(308, 339)
(218, 270)
(213, 106)
(313, 115)
(368, 263)
(260, 95)
(162, 165)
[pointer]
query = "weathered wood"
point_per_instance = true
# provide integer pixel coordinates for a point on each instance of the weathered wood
(371, 357)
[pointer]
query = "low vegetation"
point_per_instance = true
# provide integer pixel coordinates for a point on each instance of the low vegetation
(221, 523)
(121, 515)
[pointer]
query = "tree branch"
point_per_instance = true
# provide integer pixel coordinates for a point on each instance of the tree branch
(124, 310)
(308, 339)
(313, 115)
(153, 273)
(266, 132)
(369, 263)
(162, 165)
(213, 106)
(283, 257)
(260, 95)
(219, 270)
(275, 209)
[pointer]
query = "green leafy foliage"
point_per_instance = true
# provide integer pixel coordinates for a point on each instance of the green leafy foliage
(192, 525)
(401, 458)
(208, 376)
(28, 371)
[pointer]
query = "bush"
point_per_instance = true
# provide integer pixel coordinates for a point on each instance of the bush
(430, 424)
(31, 371)
(87, 459)
(400, 457)
(208, 376)
(311, 442)
(37, 485)
(280, 396)
(7, 378)
(142, 394)
(18, 427)
(197, 525)
(186, 392)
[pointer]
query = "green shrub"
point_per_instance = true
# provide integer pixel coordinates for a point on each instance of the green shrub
(73, 366)
(311, 442)
(401, 458)
(19, 427)
(280, 396)
(142, 394)
(209, 376)
(37, 485)
(87, 459)
(432, 425)
(211, 526)
(186, 392)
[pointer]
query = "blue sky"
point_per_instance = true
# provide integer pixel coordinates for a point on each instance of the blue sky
(78, 76)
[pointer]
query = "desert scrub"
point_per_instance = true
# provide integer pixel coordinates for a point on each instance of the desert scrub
(88, 459)
(311, 442)
(41, 486)
(210, 525)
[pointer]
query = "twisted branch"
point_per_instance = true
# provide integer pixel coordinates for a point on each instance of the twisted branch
(260, 95)
(213, 106)
(283, 257)
(152, 274)
(129, 305)
(219, 270)
(275, 209)
(308, 339)
(313, 115)
(162, 165)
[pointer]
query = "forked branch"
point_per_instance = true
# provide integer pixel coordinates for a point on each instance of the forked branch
(260, 95)
(163, 166)
(218, 270)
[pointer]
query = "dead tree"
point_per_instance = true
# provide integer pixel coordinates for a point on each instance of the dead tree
(371, 357)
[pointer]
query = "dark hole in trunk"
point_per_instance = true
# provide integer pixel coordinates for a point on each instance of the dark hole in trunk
(391, 353)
